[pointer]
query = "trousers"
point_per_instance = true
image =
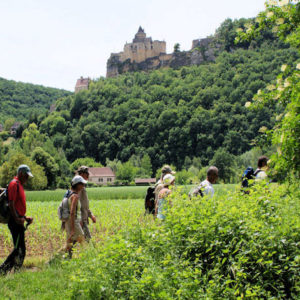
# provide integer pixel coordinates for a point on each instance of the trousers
(16, 258)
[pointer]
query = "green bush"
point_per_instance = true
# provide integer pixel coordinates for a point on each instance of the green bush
(234, 246)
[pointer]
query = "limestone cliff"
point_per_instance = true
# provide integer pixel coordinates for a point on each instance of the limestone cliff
(143, 54)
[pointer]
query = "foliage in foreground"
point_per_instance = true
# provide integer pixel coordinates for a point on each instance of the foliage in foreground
(235, 246)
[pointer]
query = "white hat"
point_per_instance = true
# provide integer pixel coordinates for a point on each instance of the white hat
(168, 179)
(78, 179)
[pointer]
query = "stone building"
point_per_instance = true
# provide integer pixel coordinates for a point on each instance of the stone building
(140, 50)
(82, 84)
(102, 176)
(143, 54)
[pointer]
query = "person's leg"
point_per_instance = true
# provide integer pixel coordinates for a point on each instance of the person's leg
(16, 257)
(86, 230)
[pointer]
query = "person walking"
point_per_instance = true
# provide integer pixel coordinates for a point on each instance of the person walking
(17, 207)
(72, 225)
(160, 207)
(206, 186)
(166, 169)
(86, 213)
(262, 165)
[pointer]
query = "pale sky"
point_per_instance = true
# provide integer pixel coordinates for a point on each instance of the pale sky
(53, 43)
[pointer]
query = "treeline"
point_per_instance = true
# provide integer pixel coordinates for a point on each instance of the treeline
(190, 118)
(19, 101)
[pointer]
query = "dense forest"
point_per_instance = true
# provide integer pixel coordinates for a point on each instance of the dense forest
(189, 117)
(19, 100)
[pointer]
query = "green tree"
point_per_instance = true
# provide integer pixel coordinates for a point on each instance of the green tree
(86, 161)
(284, 21)
(8, 123)
(146, 166)
(126, 173)
(9, 169)
(226, 163)
(31, 138)
(51, 169)
(177, 47)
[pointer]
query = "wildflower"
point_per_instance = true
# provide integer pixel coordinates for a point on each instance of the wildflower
(248, 104)
(287, 83)
(298, 66)
(271, 87)
(263, 129)
(283, 68)
(284, 2)
(273, 2)
(270, 14)
(280, 21)
(259, 92)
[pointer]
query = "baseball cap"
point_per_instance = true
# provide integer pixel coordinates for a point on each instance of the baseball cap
(168, 179)
(167, 169)
(78, 179)
(25, 169)
(83, 169)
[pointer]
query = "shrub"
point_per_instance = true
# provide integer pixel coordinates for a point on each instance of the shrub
(235, 246)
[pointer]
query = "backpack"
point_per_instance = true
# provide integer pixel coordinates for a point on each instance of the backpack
(248, 174)
(63, 210)
(196, 192)
(4, 207)
(150, 201)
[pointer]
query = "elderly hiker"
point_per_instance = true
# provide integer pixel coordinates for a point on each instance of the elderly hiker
(72, 224)
(160, 207)
(206, 186)
(17, 207)
(83, 171)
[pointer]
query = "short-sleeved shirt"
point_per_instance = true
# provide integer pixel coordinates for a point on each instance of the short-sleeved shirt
(206, 187)
(17, 195)
(260, 174)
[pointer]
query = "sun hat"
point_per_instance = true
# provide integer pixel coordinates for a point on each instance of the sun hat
(167, 170)
(25, 169)
(78, 179)
(168, 179)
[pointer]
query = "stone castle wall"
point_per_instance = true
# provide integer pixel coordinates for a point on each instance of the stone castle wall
(143, 54)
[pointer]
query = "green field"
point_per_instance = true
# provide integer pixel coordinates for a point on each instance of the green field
(132, 254)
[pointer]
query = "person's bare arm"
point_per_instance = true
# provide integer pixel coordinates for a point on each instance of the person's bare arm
(74, 202)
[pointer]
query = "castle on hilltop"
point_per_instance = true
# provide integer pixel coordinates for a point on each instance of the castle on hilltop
(143, 54)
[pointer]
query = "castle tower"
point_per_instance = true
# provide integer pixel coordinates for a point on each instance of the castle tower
(140, 36)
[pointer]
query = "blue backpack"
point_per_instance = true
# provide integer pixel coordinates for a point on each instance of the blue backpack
(248, 174)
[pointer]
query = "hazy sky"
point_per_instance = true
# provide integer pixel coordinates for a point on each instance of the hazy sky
(55, 42)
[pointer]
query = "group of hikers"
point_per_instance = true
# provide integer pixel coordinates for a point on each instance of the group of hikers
(77, 220)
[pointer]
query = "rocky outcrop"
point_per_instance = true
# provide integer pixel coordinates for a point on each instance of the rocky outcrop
(203, 50)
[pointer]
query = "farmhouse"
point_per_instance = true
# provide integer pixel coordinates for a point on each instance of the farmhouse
(145, 181)
(102, 176)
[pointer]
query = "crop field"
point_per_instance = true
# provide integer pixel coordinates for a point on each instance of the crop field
(114, 207)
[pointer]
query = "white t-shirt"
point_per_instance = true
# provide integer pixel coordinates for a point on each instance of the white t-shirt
(206, 187)
(261, 175)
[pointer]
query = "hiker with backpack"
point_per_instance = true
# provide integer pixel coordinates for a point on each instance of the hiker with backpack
(86, 213)
(16, 219)
(206, 186)
(72, 222)
(257, 175)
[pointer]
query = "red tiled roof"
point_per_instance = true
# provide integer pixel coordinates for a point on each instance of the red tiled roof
(145, 180)
(101, 172)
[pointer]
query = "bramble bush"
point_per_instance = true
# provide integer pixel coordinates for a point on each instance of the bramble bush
(231, 247)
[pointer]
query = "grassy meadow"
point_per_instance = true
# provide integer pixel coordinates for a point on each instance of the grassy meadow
(227, 247)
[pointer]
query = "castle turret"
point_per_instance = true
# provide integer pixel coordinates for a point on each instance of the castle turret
(140, 36)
